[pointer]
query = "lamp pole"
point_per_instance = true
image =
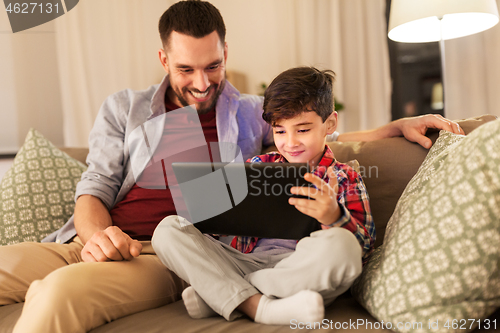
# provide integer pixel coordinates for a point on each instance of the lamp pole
(443, 62)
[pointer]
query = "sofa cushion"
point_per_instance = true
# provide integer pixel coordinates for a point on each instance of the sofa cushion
(37, 192)
(439, 260)
(343, 315)
(394, 159)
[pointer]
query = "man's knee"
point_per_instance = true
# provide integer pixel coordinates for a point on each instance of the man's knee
(64, 285)
(38, 260)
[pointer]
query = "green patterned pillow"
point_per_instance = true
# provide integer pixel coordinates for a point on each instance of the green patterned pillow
(439, 264)
(37, 192)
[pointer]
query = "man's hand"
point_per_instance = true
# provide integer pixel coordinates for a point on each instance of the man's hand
(110, 244)
(414, 129)
(325, 207)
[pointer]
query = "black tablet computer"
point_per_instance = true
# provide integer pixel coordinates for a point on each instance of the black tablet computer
(245, 199)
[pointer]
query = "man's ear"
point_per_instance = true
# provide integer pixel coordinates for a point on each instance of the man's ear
(163, 59)
(225, 52)
(331, 123)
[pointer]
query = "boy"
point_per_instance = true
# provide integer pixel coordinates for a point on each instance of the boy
(275, 281)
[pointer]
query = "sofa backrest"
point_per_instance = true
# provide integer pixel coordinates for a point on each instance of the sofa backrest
(386, 166)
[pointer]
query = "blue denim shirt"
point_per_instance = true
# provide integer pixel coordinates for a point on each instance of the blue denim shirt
(109, 176)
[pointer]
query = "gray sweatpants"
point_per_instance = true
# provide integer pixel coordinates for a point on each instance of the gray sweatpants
(327, 262)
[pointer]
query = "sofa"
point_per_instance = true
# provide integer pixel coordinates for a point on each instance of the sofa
(387, 166)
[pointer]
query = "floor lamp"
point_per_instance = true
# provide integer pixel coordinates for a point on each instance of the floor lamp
(420, 21)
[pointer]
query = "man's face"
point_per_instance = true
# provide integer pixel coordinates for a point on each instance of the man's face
(301, 139)
(196, 68)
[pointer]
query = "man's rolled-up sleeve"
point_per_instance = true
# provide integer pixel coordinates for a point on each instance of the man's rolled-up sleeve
(105, 160)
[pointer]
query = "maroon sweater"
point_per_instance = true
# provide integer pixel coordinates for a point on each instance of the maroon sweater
(142, 209)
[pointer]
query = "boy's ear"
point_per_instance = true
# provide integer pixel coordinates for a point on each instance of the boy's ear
(331, 123)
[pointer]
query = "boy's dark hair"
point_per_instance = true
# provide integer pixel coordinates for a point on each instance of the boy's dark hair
(194, 18)
(297, 90)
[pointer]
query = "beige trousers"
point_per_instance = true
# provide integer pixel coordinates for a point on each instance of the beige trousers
(64, 294)
(327, 262)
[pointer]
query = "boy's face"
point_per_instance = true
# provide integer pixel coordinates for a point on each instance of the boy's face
(301, 139)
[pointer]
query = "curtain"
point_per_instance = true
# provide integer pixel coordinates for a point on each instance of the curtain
(349, 37)
(473, 74)
(365, 76)
(106, 46)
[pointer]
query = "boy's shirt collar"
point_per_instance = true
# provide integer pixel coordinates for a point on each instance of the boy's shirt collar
(327, 159)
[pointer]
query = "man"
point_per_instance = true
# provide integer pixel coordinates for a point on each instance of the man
(116, 272)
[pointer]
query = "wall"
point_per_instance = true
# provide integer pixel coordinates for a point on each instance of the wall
(101, 47)
(8, 109)
(257, 45)
(29, 85)
(261, 35)
(473, 74)
(105, 47)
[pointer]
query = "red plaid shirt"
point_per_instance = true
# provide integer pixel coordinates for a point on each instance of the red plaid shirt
(352, 198)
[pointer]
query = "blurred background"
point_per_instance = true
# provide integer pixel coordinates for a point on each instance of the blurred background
(54, 77)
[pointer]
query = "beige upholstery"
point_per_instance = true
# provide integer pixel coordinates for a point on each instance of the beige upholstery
(387, 166)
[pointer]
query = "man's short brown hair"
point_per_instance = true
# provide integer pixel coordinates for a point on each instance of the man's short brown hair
(193, 18)
(298, 90)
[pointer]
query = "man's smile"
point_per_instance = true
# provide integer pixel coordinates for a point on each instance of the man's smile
(201, 96)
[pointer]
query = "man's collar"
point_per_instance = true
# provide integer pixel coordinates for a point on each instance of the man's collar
(158, 100)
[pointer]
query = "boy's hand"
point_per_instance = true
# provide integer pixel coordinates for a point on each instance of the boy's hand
(325, 207)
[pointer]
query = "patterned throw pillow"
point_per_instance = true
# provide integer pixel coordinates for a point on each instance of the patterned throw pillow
(37, 192)
(438, 269)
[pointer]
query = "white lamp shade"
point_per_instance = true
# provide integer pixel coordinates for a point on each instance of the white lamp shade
(418, 21)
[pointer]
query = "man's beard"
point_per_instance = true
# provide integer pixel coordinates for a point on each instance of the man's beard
(219, 88)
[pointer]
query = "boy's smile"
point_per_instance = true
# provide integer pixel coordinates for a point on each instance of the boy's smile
(301, 139)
